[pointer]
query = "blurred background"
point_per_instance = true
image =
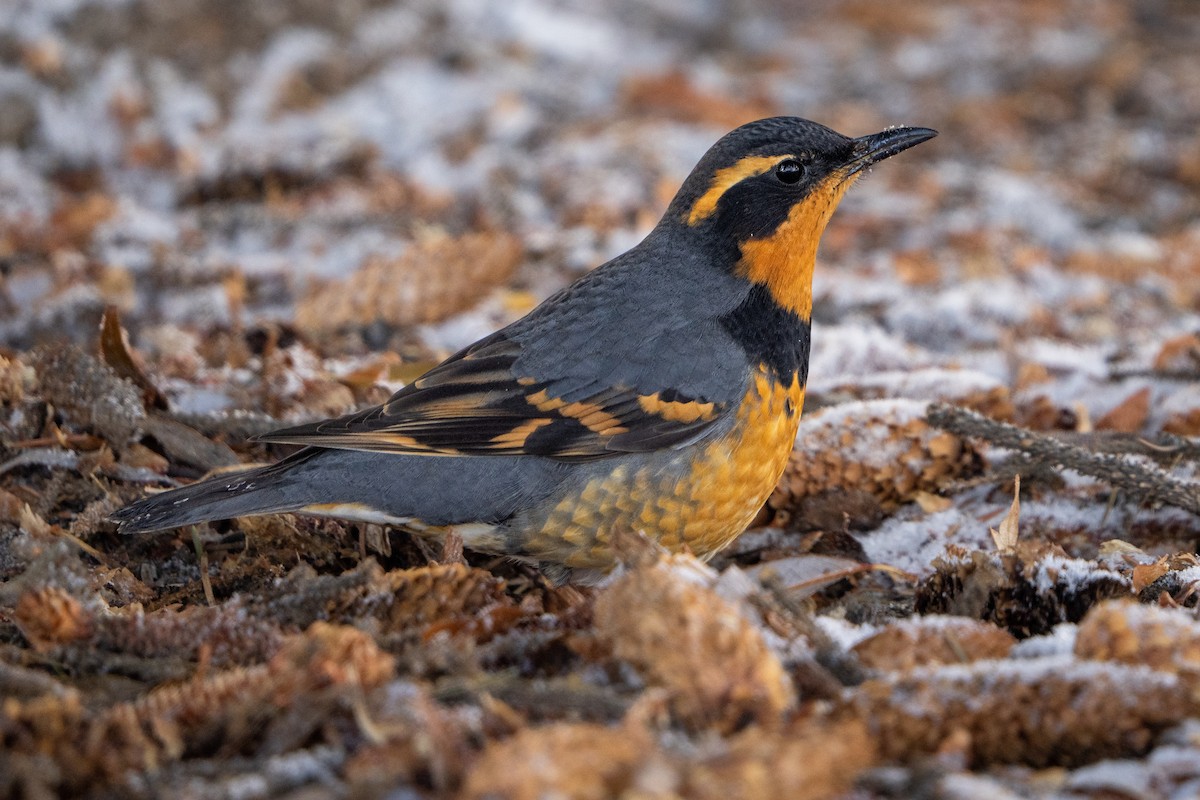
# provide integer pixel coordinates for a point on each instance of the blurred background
(292, 207)
(349, 179)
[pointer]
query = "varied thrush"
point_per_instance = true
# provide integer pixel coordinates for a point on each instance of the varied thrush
(661, 392)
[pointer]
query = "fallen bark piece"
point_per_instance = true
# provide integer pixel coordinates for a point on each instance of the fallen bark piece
(183, 444)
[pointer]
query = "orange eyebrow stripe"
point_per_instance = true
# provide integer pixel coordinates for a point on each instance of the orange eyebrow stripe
(748, 167)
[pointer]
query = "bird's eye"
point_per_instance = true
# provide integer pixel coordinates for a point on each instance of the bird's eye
(789, 171)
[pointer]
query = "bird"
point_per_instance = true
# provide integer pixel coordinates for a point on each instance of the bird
(660, 393)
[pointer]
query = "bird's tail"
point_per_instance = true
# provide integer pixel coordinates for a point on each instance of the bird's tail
(264, 490)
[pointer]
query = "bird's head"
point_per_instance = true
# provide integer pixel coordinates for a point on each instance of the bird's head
(769, 187)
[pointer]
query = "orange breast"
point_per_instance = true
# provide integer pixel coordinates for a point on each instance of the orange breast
(702, 496)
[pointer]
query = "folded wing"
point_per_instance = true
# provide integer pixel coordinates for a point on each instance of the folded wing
(479, 403)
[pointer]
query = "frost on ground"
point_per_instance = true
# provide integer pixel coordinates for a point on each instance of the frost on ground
(283, 210)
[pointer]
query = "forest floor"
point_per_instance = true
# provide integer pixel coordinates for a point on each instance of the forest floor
(977, 578)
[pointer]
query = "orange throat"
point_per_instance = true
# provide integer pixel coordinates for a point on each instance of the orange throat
(784, 261)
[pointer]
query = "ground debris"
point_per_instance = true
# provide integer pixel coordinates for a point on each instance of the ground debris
(808, 761)
(881, 448)
(219, 712)
(219, 218)
(713, 663)
(90, 394)
(404, 291)
(1026, 592)
(1039, 712)
(445, 596)
(931, 640)
(1129, 633)
(1141, 479)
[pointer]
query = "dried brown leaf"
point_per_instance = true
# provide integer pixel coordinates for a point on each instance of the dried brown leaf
(1030, 374)
(115, 350)
(72, 223)
(812, 759)
(932, 503)
(1130, 414)
(15, 380)
(1145, 574)
(138, 456)
(11, 507)
(1179, 353)
(1006, 536)
(1185, 423)
(583, 760)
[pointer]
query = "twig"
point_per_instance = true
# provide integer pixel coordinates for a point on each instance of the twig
(1164, 447)
(236, 425)
(1113, 469)
(49, 457)
(73, 441)
(452, 549)
(202, 555)
(20, 681)
(54, 458)
(1184, 375)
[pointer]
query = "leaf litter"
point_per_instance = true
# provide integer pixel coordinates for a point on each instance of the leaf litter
(219, 219)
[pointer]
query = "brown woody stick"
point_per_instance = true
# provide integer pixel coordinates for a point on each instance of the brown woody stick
(1111, 468)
